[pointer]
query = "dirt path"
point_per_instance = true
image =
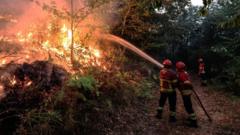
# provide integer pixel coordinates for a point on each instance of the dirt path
(224, 111)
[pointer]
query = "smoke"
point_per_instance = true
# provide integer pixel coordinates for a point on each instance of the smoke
(28, 13)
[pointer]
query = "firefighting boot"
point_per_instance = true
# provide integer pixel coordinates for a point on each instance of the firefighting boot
(172, 117)
(204, 83)
(192, 121)
(159, 113)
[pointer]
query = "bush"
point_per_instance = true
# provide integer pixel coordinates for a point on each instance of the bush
(230, 77)
(86, 103)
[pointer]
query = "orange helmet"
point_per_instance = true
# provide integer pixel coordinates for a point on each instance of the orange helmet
(167, 63)
(180, 65)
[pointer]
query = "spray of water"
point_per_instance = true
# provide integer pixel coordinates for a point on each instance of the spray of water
(132, 48)
(30, 9)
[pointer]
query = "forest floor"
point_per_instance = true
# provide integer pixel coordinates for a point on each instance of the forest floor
(222, 107)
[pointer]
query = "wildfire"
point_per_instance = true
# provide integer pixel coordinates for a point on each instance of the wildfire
(2, 92)
(28, 83)
(59, 42)
(3, 62)
(13, 81)
(97, 53)
(27, 57)
(67, 37)
(20, 37)
(1, 87)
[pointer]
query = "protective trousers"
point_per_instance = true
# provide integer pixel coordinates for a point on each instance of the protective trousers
(187, 103)
(188, 106)
(171, 96)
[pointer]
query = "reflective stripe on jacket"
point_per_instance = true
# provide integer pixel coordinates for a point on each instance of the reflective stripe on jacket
(168, 80)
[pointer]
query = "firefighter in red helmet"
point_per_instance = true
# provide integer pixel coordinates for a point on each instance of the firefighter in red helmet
(168, 81)
(201, 71)
(185, 87)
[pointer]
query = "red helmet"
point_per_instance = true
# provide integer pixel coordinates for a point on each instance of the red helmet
(180, 65)
(167, 62)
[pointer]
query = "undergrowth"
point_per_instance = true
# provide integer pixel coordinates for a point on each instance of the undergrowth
(87, 103)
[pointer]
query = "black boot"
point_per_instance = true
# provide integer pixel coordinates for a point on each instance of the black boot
(192, 123)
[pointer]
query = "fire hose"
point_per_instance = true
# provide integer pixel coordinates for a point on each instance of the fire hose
(201, 104)
(147, 57)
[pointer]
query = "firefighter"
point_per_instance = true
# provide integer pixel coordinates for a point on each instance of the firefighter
(202, 72)
(168, 81)
(185, 87)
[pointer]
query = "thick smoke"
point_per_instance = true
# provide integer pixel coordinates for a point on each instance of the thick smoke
(27, 13)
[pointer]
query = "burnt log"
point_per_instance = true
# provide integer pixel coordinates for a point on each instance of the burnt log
(43, 74)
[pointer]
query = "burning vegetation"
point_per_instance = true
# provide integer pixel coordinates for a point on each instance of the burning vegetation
(57, 73)
(55, 39)
(67, 37)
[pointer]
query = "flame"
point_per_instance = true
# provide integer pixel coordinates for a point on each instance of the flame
(28, 83)
(1, 87)
(46, 45)
(2, 92)
(59, 43)
(105, 68)
(20, 37)
(13, 81)
(30, 34)
(27, 57)
(67, 37)
(3, 62)
(97, 53)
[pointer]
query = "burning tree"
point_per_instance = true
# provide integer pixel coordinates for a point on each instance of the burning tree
(39, 86)
(66, 35)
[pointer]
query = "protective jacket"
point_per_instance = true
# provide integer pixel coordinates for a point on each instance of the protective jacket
(168, 80)
(184, 84)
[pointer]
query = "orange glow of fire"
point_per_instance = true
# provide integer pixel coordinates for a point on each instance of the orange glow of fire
(97, 53)
(66, 40)
(28, 83)
(2, 92)
(27, 57)
(61, 44)
(1, 87)
(3, 62)
(13, 81)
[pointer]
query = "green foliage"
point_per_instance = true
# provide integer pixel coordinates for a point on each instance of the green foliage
(85, 86)
(145, 89)
(86, 83)
(226, 14)
(35, 119)
(151, 22)
(219, 44)
(231, 23)
(38, 123)
(229, 79)
(204, 10)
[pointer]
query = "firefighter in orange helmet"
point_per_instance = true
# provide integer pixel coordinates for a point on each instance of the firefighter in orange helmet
(185, 87)
(201, 71)
(168, 81)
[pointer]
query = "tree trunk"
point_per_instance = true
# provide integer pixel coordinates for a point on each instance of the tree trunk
(72, 31)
